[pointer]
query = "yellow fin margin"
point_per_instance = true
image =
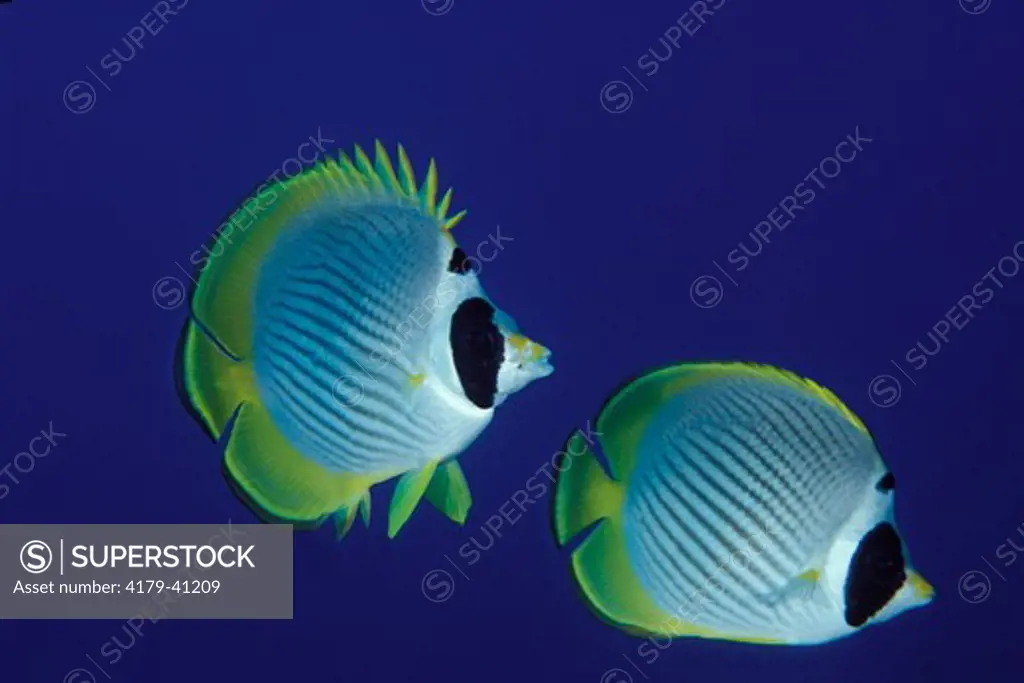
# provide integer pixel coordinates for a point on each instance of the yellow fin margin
(585, 494)
(381, 177)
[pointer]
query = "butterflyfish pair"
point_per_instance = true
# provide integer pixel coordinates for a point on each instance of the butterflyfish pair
(343, 339)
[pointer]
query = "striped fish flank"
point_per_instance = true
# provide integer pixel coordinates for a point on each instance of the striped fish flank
(723, 513)
(740, 502)
(330, 358)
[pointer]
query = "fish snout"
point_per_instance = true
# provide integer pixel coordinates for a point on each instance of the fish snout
(528, 356)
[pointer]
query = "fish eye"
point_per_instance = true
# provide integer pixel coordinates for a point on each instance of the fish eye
(459, 263)
(886, 483)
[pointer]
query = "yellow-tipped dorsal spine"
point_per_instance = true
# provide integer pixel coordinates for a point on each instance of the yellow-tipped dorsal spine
(408, 178)
(384, 168)
(442, 208)
(454, 220)
(366, 168)
(428, 193)
(355, 178)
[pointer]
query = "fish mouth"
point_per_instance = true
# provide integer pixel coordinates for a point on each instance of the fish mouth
(528, 359)
(542, 367)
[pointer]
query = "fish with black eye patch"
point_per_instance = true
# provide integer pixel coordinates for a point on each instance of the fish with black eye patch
(743, 502)
(334, 374)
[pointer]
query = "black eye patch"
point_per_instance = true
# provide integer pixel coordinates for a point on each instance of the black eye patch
(459, 262)
(478, 350)
(877, 571)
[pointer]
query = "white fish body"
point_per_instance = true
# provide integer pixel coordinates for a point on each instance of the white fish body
(745, 504)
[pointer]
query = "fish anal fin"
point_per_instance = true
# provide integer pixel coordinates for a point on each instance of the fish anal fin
(364, 508)
(449, 492)
(343, 520)
(410, 488)
(278, 479)
(613, 592)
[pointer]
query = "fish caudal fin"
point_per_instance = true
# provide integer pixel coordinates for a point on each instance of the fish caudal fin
(585, 494)
(270, 475)
(214, 383)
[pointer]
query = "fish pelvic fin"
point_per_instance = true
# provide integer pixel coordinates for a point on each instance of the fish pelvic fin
(449, 492)
(408, 491)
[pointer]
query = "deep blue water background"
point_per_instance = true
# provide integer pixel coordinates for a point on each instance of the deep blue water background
(614, 216)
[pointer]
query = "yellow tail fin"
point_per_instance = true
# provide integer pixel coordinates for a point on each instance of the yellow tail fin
(274, 478)
(584, 493)
(214, 383)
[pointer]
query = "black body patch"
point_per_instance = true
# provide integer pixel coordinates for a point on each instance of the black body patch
(886, 483)
(478, 349)
(459, 262)
(877, 571)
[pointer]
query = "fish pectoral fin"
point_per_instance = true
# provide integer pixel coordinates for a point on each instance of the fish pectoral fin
(805, 587)
(449, 492)
(408, 492)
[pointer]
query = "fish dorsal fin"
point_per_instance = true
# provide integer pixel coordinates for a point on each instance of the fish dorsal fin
(408, 491)
(626, 415)
(222, 300)
(805, 385)
(449, 492)
(363, 178)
